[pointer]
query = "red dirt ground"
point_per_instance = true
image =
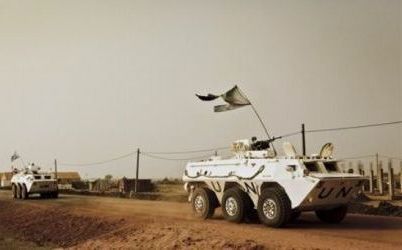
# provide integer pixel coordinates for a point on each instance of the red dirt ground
(78, 222)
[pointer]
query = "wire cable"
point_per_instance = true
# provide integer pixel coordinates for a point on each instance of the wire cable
(354, 127)
(174, 159)
(185, 152)
(155, 154)
(390, 157)
(290, 134)
(357, 157)
(99, 162)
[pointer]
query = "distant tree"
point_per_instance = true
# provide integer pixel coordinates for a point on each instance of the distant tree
(108, 177)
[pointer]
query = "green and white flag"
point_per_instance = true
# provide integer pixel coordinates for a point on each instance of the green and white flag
(14, 157)
(234, 97)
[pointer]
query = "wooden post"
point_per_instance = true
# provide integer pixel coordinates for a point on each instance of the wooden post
(361, 172)
(400, 175)
(380, 179)
(371, 178)
(351, 170)
(55, 171)
(377, 172)
(137, 169)
(344, 168)
(360, 168)
(390, 180)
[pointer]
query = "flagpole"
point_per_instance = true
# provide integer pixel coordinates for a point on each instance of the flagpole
(262, 123)
(260, 119)
(264, 127)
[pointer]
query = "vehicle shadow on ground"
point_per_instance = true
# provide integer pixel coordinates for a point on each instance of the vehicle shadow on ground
(308, 221)
(352, 221)
(37, 197)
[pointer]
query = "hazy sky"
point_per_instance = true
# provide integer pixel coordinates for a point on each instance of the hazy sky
(83, 81)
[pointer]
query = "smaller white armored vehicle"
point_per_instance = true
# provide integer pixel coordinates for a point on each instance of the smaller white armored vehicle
(30, 180)
(276, 189)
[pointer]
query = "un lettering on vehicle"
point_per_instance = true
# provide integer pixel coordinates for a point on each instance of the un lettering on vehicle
(332, 192)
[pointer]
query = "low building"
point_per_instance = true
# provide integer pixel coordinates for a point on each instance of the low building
(126, 185)
(102, 185)
(5, 179)
(66, 179)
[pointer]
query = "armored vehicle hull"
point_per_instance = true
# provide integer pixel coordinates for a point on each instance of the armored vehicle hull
(276, 189)
(24, 184)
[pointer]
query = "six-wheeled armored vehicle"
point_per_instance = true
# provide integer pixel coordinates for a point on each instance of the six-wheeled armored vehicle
(30, 180)
(276, 189)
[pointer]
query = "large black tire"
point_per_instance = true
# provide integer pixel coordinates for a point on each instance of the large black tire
(334, 215)
(19, 193)
(44, 195)
(14, 191)
(203, 203)
(24, 192)
(235, 205)
(55, 195)
(274, 207)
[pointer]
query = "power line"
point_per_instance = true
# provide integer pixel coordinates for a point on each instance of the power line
(155, 154)
(356, 157)
(370, 156)
(390, 157)
(290, 134)
(174, 159)
(354, 127)
(99, 162)
(186, 152)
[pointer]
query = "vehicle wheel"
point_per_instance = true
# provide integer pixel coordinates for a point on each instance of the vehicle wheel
(294, 216)
(14, 191)
(19, 195)
(203, 203)
(24, 192)
(55, 195)
(235, 205)
(333, 216)
(44, 195)
(274, 207)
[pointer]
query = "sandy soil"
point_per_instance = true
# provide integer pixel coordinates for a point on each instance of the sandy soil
(79, 222)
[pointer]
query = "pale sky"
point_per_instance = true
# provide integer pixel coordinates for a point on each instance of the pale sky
(84, 81)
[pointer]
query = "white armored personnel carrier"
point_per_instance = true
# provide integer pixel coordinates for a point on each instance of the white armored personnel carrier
(277, 189)
(30, 180)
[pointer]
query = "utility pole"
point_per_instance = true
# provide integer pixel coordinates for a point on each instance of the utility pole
(137, 169)
(400, 175)
(381, 179)
(55, 171)
(303, 131)
(377, 165)
(391, 185)
(371, 180)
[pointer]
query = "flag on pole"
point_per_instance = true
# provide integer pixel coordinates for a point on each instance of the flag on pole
(234, 98)
(14, 157)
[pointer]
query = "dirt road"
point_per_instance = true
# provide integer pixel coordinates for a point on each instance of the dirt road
(96, 222)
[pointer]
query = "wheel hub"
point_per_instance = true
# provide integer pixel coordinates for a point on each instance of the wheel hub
(269, 208)
(199, 204)
(231, 206)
